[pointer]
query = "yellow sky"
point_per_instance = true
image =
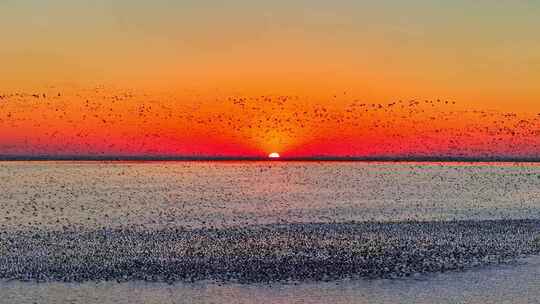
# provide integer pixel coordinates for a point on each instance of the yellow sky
(480, 53)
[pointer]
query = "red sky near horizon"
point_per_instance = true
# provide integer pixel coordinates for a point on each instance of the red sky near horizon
(112, 122)
(243, 78)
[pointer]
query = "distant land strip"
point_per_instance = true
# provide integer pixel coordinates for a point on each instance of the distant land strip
(256, 158)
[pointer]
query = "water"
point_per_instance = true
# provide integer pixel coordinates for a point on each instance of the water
(503, 284)
(54, 196)
(242, 193)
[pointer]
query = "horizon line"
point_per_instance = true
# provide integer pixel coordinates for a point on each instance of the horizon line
(260, 158)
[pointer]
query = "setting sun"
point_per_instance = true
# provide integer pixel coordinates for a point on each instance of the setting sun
(273, 155)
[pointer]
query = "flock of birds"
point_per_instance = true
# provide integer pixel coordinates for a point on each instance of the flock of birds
(101, 121)
(270, 253)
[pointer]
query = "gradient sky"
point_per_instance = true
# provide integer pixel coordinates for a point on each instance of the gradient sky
(194, 55)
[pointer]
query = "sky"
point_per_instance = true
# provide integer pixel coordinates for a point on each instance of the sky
(212, 61)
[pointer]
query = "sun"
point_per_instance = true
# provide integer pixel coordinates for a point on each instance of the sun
(273, 155)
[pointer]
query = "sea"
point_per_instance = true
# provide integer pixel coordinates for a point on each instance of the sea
(54, 196)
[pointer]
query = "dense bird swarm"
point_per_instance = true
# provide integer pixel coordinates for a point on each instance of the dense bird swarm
(265, 253)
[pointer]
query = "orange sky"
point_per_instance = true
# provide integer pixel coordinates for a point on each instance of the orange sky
(109, 121)
(167, 75)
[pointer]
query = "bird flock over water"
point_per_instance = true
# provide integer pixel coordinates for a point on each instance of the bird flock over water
(269, 253)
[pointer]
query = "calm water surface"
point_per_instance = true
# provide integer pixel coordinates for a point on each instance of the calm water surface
(501, 284)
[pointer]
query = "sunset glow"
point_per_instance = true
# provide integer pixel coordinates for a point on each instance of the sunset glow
(337, 79)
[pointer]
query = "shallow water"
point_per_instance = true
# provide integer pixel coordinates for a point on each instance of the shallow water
(73, 195)
(500, 284)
